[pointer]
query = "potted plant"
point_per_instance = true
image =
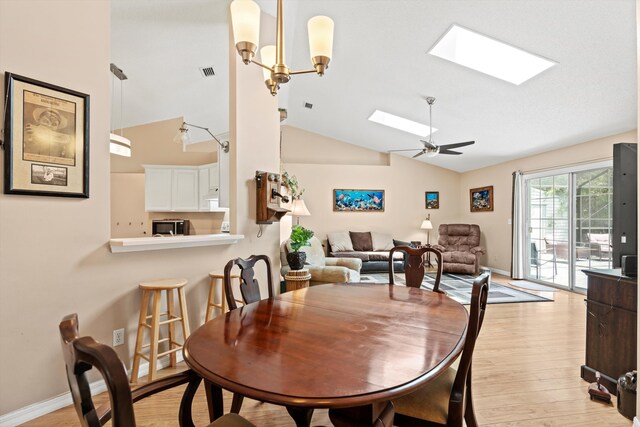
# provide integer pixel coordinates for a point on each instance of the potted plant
(300, 237)
(291, 182)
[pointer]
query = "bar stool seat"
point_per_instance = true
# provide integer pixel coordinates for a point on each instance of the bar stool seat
(152, 294)
(216, 276)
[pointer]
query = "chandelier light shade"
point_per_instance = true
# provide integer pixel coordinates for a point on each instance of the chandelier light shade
(246, 27)
(320, 41)
(245, 19)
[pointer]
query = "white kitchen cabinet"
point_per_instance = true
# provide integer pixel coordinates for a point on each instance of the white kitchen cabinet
(171, 188)
(208, 188)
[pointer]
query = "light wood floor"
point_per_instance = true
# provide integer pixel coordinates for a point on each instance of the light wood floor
(526, 372)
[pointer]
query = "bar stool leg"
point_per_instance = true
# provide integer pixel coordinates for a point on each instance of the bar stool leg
(211, 299)
(142, 320)
(172, 327)
(155, 334)
(183, 313)
(223, 297)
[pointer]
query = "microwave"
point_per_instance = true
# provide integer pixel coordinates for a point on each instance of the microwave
(170, 227)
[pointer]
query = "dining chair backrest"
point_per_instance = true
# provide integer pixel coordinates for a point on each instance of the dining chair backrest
(83, 353)
(461, 391)
(414, 267)
(249, 286)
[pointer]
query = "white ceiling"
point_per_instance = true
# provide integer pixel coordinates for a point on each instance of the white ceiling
(380, 61)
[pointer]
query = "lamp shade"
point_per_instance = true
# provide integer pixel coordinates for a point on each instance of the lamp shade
(298, 208)
(119, 145)
(426, 225)
(268, 58)
(320, 36)
(182, 136)
(245, 19)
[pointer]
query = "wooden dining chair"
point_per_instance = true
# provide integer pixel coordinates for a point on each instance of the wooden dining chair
(250, 290)
(83, 353)
(249, 286)
(414, 266)
(447, 400)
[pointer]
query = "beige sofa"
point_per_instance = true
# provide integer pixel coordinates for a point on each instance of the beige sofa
(321, 268)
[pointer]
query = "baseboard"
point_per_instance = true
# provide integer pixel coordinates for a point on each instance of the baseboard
(498, 271)
(45, 407)
(636, 422)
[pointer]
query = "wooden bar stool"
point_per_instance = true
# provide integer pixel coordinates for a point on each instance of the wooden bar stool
(211, 304)
(152, 293)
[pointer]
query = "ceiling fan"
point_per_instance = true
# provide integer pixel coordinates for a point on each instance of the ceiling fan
(430, 148)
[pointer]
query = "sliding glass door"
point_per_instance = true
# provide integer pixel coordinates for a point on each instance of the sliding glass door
(568, 223)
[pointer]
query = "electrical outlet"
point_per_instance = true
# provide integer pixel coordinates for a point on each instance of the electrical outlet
(118, 337)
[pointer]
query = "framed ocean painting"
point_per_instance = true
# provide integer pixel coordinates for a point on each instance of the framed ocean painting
(481, 199)
(358, 200)
(432, 200)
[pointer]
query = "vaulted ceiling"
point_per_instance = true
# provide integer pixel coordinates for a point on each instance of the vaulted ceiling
(380, 61)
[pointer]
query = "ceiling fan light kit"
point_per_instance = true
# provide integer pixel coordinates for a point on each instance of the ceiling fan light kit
(245, 19)
(430, 148)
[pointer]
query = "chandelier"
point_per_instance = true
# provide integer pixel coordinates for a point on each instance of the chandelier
(245, 18)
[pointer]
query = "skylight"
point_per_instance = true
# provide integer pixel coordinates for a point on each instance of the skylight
(400, 123)
(489, 56)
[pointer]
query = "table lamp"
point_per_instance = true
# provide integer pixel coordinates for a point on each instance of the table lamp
(298, 209)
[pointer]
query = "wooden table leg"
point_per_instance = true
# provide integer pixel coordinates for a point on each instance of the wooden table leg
(378, 414)
(301, 416)
(214, 400)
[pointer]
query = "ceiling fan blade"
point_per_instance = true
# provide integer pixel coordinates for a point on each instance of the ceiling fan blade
(419, 154)
(449, 152)
(428, 144)
(457, 145)
(408, 149)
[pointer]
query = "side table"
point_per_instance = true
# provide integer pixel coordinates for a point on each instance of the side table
(297, 279)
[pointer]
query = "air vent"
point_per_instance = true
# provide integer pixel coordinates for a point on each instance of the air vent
(207, 71)
(308, 105)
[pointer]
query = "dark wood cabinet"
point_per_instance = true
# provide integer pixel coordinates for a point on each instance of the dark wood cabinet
(611, 346)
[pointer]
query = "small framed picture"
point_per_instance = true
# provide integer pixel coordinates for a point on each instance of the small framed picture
(432, 200)
(47, 139)
(481, 199)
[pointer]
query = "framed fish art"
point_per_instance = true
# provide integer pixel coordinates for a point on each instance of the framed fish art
(358, 200)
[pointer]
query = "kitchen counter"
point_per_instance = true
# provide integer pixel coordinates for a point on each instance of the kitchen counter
(136, 244)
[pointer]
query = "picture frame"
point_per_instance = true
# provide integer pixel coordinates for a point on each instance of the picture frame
(358, 200)
(481, 199)
(46, 139)
(432, 200)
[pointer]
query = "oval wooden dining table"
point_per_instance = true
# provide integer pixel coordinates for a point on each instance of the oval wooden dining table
(351, 348)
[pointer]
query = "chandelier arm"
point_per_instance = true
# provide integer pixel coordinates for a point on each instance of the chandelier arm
(261, 65)
(302, 72)
(225, 145)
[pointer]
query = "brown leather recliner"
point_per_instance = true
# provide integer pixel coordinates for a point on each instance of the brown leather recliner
(460, 247)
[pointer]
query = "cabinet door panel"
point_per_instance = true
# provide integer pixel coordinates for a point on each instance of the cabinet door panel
(157, 189)
(185, 190)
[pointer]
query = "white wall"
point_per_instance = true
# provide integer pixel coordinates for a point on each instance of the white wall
(54, 257)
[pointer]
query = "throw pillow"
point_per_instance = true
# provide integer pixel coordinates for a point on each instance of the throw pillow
(361, 241)
(381, 241)
(340, 242)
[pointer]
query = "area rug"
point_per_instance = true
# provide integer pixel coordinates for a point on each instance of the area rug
(532, 286)
(458, 287)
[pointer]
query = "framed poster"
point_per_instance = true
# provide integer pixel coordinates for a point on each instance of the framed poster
(358, 200)
(481, 199)
(432, 200)
(47, 139)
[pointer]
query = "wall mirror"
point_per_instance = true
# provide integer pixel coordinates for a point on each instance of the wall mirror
(175, 57)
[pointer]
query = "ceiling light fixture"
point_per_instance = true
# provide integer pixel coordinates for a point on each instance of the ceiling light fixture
(489, 56)
(401, 123)
(118, 144)
(182, 136)
(245, 18)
